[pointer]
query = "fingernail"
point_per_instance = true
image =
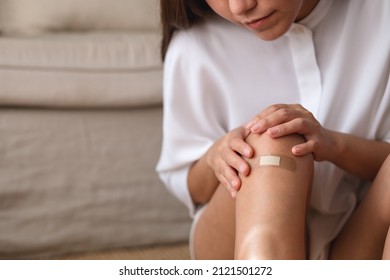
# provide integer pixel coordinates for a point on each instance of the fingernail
(296, 150)
(234, 184)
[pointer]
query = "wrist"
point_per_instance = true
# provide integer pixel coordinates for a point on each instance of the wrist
(202, 180)
(337, 146)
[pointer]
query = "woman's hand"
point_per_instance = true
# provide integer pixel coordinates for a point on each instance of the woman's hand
(281, 119)
(225, 158)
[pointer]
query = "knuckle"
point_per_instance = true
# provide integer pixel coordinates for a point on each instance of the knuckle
(224, 182)
(309, 115)
(234, 142)
(218, 171)
(229, 176)
(257, 118)
(275, 107)
(223, 172)
(224, 158)
(264, 122)
(301, 122)
(317, 125)
(219, 156)
(284, 113)
(227, 138)
(297, 105)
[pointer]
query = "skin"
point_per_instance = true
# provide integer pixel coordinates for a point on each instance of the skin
(283, 14)
(250, 229)
(386, 250)
(366, 235)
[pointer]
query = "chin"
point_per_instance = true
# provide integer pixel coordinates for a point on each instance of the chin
(269, 37)
(272, 34)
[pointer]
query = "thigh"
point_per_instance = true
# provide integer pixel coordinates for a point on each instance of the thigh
(214, 232)
(364, 235)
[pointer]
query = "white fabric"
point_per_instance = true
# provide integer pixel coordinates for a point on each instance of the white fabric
(191, 241)
(84, 70)
(334, 63)
(29, 17)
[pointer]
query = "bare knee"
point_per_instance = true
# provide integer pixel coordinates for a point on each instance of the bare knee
(295, 170)
(272, 202)
(264, 142)
(263, 145)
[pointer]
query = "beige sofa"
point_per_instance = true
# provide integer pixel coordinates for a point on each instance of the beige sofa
(80, 126)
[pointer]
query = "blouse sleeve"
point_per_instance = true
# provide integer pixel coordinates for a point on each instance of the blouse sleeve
(191, 119)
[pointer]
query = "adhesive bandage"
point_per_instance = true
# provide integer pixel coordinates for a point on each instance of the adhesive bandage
(270, 160)
(283, 162)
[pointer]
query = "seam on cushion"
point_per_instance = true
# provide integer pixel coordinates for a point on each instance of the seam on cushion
(79, 69)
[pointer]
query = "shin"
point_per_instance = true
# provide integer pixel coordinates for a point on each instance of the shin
(272, 202)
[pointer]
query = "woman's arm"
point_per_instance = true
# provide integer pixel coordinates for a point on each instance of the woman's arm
(358, 156)
(202, 181)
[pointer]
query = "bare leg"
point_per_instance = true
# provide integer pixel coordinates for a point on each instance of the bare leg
(364, 235)
(386, 251)
(270, 210)
(271, 206)
(214, 233)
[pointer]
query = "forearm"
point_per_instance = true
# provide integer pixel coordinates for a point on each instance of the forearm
(202, 181)
(358, 156)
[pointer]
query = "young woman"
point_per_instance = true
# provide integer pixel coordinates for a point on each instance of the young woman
(276, 125)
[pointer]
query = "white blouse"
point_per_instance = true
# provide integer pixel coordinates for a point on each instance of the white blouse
(335, 63)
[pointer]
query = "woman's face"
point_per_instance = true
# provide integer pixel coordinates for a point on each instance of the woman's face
(269, 19)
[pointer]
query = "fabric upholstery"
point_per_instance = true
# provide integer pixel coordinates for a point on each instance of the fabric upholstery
(30, 17)
(99, 69)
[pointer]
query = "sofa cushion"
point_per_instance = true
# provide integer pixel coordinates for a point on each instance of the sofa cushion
(84, 70)
(80, 180)
(28, 17)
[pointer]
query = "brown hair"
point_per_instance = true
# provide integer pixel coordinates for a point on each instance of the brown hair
(179, 15)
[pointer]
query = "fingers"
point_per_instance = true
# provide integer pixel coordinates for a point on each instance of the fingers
(274, 115)
(300, 125)
(229, 179)
(229, 160)
(280, 120)
(269, 110)
(304, 149)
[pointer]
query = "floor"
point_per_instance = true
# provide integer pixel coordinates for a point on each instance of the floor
(167, 252)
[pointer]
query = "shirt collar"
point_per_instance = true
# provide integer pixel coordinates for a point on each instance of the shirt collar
(317, 15)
